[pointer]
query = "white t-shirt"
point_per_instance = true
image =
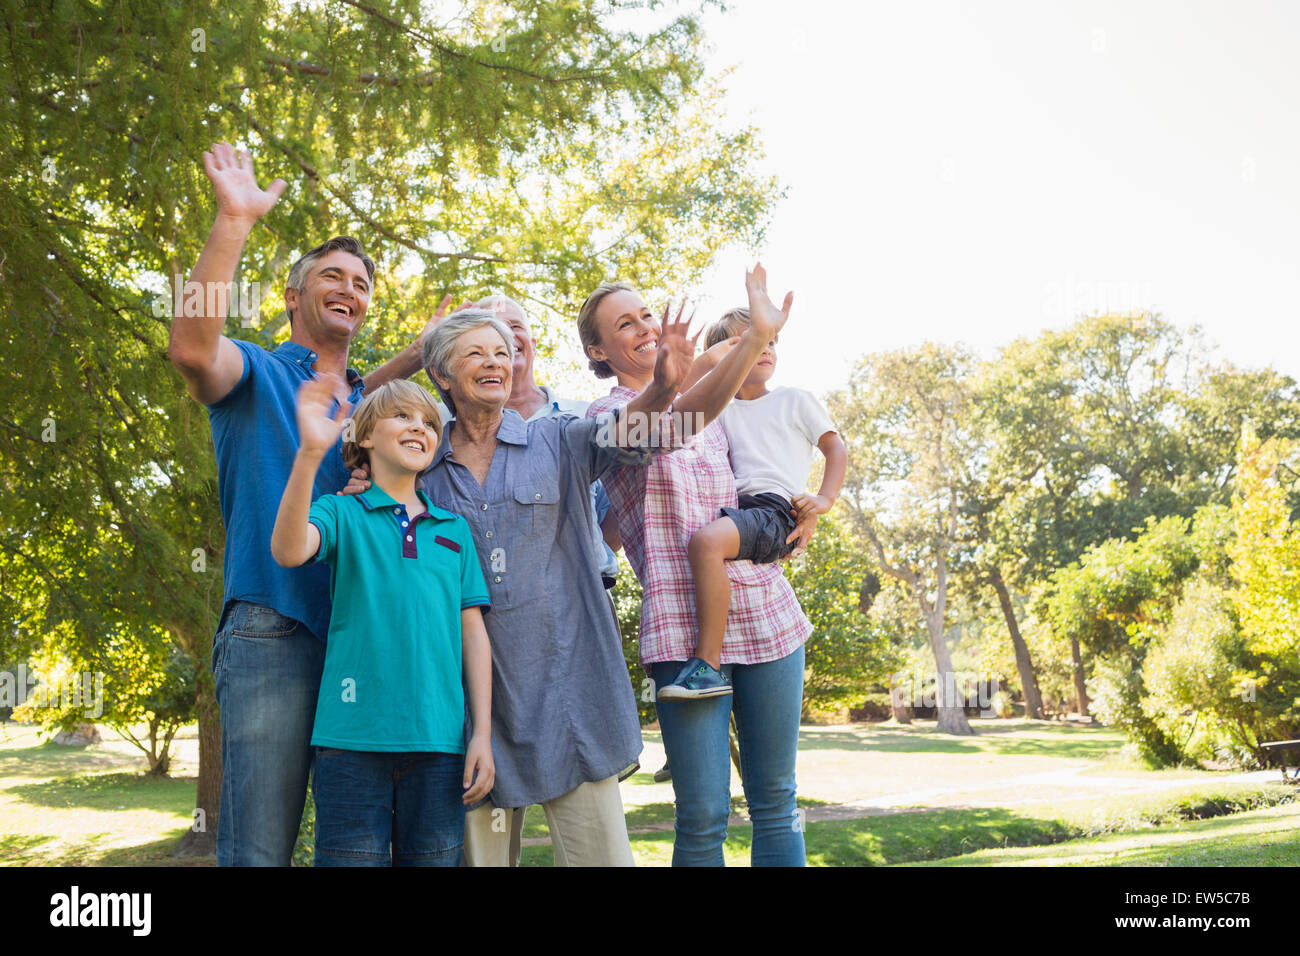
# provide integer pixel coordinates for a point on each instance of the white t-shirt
(773, 439)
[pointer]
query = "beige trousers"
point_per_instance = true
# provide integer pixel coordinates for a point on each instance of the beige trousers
(587, 829)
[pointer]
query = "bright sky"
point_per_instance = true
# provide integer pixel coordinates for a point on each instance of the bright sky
(980, 171)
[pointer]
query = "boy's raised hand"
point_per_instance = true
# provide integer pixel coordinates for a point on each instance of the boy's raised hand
(238, 195)
(765, 318)
(317, 429)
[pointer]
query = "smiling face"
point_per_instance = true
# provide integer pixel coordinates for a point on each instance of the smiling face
(628, 335)
(525, 344)
(481, 370)
(331, 306)
(403, 441)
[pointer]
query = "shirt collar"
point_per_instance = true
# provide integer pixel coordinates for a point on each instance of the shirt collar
(513, 431)
(375, 497)
(305, 357)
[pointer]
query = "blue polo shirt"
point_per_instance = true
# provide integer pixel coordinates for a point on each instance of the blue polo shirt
(393, 673)
(255, 432)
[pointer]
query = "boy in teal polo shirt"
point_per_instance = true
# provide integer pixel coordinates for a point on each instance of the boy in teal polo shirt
(406, 636)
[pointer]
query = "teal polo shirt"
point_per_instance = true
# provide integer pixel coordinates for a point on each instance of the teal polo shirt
(393, 674)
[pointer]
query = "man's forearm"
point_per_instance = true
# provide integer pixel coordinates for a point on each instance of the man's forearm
(402, 365)
(194, 338)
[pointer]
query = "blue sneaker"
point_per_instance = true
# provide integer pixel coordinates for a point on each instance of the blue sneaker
(697, 679)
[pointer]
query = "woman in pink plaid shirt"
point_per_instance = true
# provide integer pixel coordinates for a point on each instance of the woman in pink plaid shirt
(659, 506)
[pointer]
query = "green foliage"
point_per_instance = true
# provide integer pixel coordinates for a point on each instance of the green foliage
(526, 147)
(848, 651)
(135, 679)
(1266, 569)
(627, 604)
(1201, 693)
(1121, 591)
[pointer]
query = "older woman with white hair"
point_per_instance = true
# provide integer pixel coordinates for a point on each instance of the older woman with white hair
(564, 718)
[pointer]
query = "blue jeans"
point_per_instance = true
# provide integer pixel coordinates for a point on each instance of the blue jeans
(267, 671)
(768, 699)
(369, 802)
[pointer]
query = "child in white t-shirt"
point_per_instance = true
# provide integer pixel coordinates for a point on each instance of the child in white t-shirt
(772, 436)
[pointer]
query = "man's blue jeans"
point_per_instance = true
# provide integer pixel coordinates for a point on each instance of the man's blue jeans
(767, 699)
(267, 670)
(382, 809)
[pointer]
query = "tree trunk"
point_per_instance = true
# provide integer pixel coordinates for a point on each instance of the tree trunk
(1080, 689)
(202, 838)
(947, 701)
(1024, 665)
(899, 706)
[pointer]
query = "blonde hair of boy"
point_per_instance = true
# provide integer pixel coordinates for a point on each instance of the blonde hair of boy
(733, 322)
(384, 402)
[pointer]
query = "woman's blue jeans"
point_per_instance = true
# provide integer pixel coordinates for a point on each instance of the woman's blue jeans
(767, 699)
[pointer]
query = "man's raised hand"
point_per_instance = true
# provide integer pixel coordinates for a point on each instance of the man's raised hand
(238, 195)
(765, 318)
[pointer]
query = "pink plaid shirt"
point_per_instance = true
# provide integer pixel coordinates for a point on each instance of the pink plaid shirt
(659, 506)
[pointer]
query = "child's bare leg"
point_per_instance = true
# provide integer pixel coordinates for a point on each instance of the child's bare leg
(710, 548)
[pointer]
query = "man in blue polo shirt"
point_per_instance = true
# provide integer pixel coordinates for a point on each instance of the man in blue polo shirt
(269, 647)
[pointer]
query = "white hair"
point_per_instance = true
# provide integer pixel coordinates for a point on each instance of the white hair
(437, 347)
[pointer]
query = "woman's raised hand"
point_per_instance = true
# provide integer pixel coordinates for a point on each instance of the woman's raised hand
(765, 318)
(238, 195)
(676, 349)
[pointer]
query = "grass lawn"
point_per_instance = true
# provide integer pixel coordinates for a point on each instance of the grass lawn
(1269, 837)
(952, 836)
(1016, 793)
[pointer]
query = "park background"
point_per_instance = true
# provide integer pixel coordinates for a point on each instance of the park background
(1042, 258)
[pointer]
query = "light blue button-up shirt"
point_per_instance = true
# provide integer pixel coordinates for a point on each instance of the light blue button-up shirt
(563, 708)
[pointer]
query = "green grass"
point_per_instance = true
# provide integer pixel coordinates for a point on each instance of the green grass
(917, 835)
(1268, 837)
(94, 806)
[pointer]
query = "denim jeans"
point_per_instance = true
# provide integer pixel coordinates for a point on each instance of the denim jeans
(382, 809)
(767, 699)
(267, 670)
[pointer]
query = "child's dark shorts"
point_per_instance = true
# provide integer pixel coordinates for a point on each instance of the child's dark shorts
(764, 522)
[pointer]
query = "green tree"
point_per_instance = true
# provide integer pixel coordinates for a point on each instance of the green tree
(906, 419)
(848, 652)
(1266, 570)
(527, 147)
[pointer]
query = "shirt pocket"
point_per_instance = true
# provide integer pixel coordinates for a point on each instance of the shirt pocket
(538, 499)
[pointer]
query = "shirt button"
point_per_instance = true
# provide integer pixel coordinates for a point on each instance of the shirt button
(404, 524)
(489, 534)
(498, 579)
(482, 507)
(409, 538)
(537, 496)
(397, 511)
